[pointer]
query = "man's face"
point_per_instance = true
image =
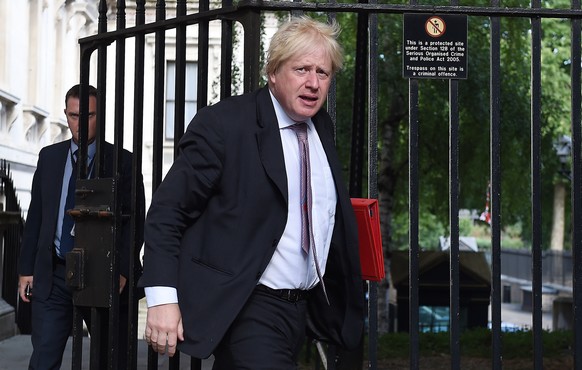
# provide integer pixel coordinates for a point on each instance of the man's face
(301, 83)
(72, 113)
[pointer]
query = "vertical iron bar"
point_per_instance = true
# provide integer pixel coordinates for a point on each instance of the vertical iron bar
(180, 88)
(332, 92)
(137, 183)
(576, 191)
(454, 311)
(413, 216)
(95, 349)
(413, 200)
(158, 123)
(203, 43)
(226, 53)
(101, 90)
(454, 257)
(95, 343)
(118, 122)
(158, 119)
(536, 214)
(251, 21)
(77, 350)
(119, 86)
(495, 188)
(332, 352)
(373, 176)
(359, 106)
(358, 133)
(180, 101)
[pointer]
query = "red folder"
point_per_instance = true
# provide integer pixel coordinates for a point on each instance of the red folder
(371, 254)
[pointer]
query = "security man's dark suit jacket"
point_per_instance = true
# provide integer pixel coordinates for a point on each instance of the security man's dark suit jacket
(217, 218)
(36, 254)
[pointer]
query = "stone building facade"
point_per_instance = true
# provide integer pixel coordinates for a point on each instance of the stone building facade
(39, 62)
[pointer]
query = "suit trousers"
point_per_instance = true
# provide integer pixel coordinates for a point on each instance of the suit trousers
(52, 324)
(267, 334)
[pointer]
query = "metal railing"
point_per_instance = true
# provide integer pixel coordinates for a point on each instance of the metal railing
(11, 226)
(248, 15)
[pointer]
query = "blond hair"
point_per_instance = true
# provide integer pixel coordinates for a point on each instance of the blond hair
(302, 35)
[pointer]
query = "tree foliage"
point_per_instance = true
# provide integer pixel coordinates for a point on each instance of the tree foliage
(474, 112)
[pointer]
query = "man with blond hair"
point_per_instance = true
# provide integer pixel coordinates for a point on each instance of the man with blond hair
(251, 240)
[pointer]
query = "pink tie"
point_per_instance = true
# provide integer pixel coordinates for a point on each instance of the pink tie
(305, 184)
(300, 130)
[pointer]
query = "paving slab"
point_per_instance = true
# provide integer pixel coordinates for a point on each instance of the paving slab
(15, 353)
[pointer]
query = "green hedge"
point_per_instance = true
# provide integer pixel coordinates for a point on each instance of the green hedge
(477, 343)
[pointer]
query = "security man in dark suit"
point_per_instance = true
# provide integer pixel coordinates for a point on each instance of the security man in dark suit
(49, 235)
(227, 270)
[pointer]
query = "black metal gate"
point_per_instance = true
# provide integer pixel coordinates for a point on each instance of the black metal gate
(248, 14)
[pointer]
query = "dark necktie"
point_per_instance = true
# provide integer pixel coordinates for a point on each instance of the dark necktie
(307, 240)
(67, 240)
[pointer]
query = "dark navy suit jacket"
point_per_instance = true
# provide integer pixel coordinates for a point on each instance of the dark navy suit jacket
(36, 253)
(217, 217)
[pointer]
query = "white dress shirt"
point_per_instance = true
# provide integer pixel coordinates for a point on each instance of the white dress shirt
(291, 267)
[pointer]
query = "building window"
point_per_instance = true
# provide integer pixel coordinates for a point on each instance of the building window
(191, 90)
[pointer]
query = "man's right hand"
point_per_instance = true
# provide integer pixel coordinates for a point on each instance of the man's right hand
(23, 282)
(164, 328)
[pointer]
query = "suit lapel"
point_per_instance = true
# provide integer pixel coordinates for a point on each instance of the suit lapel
(62, 156)
(269, 142)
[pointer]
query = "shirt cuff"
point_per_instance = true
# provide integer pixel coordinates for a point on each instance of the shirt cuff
(158, 295)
